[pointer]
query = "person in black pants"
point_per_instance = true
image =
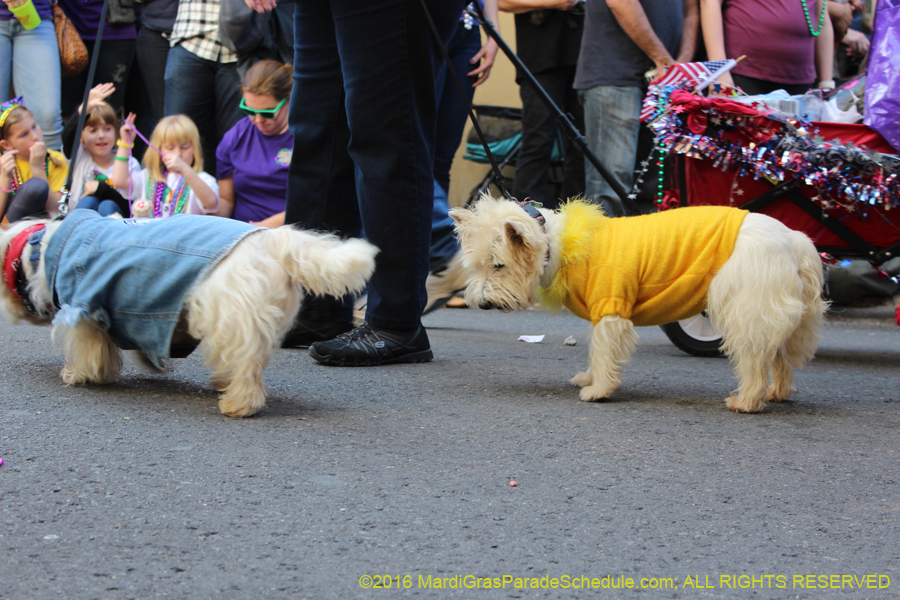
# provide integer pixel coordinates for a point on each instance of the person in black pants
(363, 114)
(151, 50)
(548, 39)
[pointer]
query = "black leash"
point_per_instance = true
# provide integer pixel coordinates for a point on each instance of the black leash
(82, 117)
(578, 140)
(498, 175)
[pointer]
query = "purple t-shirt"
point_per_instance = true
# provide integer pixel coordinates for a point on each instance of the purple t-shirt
(85, 16)
(259, 164)
(775, 38)
(42, 7)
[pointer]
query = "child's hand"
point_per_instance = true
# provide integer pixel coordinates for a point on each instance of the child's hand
(38, 154)
(126, 132)
(90, 188)
(8, 162)
(98, 94)
(175, 164)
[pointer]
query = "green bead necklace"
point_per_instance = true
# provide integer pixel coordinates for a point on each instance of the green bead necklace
(821, 17)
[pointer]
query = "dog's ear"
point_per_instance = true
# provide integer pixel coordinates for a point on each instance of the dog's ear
(461, 215)
(515, 233)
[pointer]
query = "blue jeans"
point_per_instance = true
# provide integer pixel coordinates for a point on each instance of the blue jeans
(611, 123)
(451, 121)
(30, 60)
(444, 243)
(451, 111)
(30, 201)
(363, 113)
(104, 207)
(207, 91)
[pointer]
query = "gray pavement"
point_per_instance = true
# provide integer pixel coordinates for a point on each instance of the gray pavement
(142, 489)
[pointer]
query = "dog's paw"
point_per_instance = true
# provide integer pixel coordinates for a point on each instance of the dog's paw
(777, 393)
(593, 393)
(69, 377)
(236, 409)
(744, 405)
(242, 405)
(582, 379)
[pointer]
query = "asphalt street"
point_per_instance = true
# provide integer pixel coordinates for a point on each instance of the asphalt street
(352, 481)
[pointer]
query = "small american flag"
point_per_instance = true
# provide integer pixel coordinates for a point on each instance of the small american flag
(695, 74)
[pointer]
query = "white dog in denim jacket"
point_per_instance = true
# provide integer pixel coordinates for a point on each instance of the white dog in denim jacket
(109, 285)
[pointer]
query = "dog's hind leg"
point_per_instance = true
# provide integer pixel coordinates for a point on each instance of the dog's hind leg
(782, 379)
(239, 313)
(751, 374)
(237, 356)
(243, 392)
(612, 342)
(757, 301)
(91, 355)
(802, 343)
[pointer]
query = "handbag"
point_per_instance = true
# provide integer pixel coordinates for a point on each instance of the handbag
(73, 54)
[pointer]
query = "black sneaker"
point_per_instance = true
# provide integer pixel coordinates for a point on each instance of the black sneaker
(304, 332)
(366, 346)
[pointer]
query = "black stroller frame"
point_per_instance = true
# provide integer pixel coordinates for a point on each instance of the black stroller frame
(578, 140)
(511, 155)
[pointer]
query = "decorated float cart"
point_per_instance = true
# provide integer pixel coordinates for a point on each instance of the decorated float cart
(838, 183)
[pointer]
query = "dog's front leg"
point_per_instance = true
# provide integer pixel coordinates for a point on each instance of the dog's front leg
(612, 342)
(91, 355)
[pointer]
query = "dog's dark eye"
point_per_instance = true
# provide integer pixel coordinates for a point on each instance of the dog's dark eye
(498, 267)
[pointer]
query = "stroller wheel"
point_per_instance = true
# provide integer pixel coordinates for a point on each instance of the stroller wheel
(696, 335)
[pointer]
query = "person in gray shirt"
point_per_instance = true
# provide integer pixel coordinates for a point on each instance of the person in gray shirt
(622, 40)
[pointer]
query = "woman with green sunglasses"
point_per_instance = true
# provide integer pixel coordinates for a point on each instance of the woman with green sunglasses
(253, 157)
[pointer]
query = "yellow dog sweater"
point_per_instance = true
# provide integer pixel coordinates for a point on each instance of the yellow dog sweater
(651, 269)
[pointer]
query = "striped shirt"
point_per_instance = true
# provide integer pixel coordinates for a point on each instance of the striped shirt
(197, 29)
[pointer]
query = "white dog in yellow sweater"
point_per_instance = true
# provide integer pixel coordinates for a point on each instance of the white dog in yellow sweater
(759, 281)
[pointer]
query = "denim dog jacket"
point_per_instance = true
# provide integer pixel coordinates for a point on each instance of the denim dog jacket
(132, 276)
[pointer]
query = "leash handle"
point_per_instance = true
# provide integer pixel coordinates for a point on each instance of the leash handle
(498, 175)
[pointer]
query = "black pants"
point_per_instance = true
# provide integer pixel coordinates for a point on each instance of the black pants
(368, 67)
(540, 129)
(151, 50)
(113, 67)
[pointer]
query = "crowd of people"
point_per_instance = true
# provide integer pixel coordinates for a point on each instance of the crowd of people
(358, 134)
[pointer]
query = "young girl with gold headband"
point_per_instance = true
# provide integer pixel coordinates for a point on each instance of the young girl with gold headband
(30, 174)
(170, 184)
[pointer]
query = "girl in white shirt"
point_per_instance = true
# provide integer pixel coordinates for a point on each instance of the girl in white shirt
(173, 183)
(92, 174)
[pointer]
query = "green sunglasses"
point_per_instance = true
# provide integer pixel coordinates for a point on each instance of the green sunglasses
(268, 113)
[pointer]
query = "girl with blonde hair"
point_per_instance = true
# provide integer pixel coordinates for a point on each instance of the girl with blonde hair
(171, 183)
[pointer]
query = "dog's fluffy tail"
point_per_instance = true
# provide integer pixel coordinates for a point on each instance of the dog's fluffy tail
(323, 264)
